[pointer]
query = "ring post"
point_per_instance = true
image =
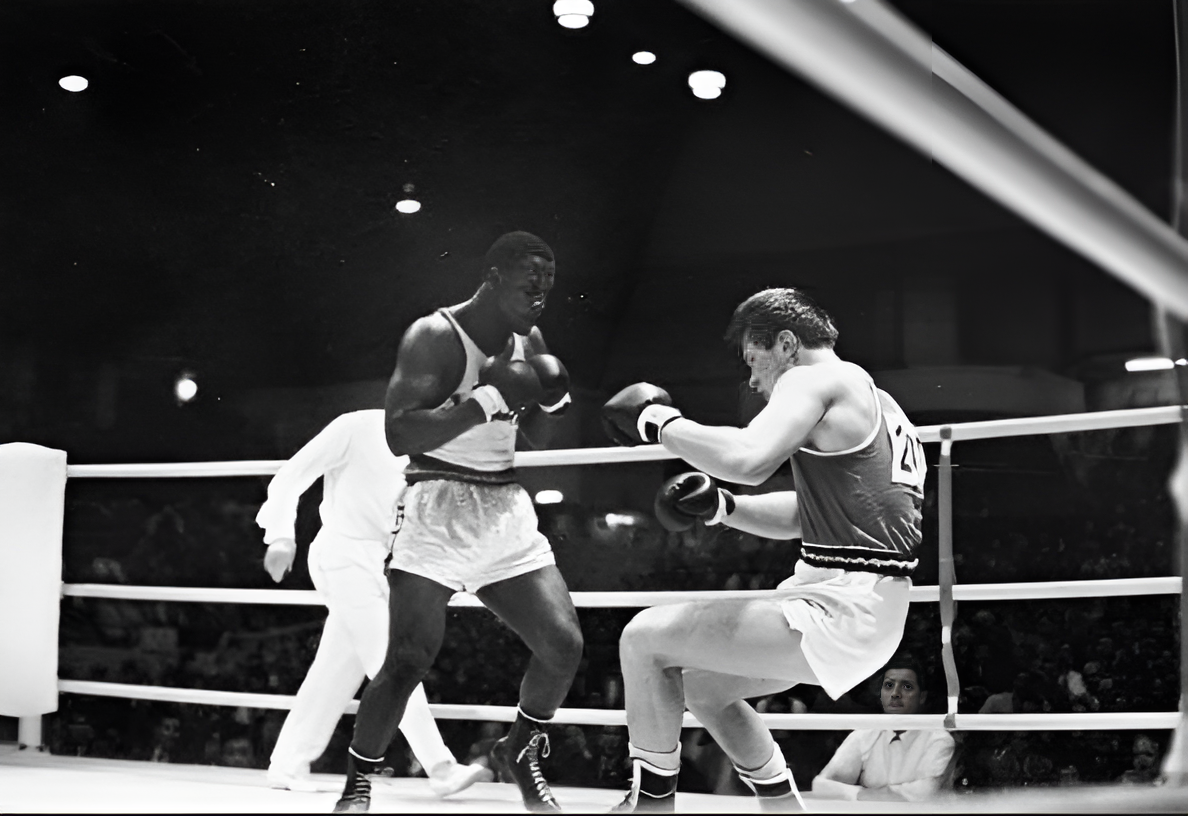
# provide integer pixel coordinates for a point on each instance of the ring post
(32, 501)
(947, 574)
(1171, 337)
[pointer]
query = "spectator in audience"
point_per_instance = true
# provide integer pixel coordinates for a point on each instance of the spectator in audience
(1028, 695)
(165, 736)
(898, 765)
(1145, 770)
(238, 752)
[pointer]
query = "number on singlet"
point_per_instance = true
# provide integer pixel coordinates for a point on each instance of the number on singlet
(908, 466)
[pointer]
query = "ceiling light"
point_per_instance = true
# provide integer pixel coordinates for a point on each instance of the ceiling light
(707, 84)
(73, 83)
(408, 206)
(1149, 364)
(643, 57)
(549, 497)
(185, 389)
(573, 13)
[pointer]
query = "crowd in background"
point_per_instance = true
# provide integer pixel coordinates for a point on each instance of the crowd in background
(1077, 655)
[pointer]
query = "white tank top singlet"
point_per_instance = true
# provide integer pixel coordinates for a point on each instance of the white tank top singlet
(484, 450)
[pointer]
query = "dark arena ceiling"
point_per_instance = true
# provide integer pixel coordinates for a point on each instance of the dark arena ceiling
(220, 199)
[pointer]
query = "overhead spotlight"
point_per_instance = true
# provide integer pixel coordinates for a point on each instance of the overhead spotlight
(185, 389)
(707, 84)
(619, 520)
(73, 83)
(1150, 364)
(408, 206)
(573, 13)
(643, 57)
(549, 497)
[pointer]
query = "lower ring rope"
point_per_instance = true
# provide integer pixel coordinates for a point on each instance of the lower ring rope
(1118, 720)
(1105, 588)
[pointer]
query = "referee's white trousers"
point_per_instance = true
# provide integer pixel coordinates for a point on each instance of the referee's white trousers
(349, 575)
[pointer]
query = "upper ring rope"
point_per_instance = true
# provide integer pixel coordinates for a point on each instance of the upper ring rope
(963, 431)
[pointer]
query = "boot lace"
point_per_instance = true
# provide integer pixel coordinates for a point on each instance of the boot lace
(535, 751)
(361, 789)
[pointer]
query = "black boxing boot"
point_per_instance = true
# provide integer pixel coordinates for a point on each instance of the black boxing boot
(356, 796)
(521, 751)
(774, 785)
(653, 790)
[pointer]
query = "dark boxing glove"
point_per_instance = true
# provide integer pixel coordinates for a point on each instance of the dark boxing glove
(690, 496)
(637, 414)
(554, 380)
(506, 388)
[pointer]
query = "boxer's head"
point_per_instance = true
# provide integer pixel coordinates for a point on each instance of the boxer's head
(519, 269)
(771, 327)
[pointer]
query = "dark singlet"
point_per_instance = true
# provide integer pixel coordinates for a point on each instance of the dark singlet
(860, 508)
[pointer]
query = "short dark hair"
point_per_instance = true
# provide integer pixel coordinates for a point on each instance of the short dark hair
(513, 245)
(765, 314)
(906, 661)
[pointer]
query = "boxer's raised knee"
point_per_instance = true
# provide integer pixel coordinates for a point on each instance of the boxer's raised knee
(643, 635)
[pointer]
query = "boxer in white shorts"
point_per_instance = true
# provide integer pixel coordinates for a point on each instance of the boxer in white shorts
(859, 473)
(362, 486)
(466, 536)
(469, 378)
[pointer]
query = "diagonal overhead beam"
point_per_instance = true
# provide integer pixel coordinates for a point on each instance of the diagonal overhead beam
(869, 58)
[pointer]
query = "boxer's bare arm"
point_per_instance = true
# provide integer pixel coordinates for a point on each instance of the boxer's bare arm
(770, 515)
(429, 365)
(751, 455)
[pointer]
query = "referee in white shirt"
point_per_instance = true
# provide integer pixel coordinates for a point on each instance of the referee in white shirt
(891, 765)
(362, 487)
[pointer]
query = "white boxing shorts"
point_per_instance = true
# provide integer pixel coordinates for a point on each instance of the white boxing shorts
(851, 623)
(466, 536)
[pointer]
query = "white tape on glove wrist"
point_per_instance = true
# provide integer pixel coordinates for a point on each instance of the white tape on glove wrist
(725, 507)
(490, 400)
(656, 416)
(558, 405)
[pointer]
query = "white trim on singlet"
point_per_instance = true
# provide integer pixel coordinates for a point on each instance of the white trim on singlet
(519, 343)
(870, 438)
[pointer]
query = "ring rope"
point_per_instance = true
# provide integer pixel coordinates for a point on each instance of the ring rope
(593, 716)
(962, 431)
(1036, 590)
(948, 433)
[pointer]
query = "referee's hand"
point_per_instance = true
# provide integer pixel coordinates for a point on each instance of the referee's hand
(279, 558)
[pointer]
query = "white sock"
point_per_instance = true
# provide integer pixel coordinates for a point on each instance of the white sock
(520, 711)
(774, 770)
(357, 755)
(769, 771)
(664, 763)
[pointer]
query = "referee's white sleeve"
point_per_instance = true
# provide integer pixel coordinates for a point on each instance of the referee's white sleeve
(323, 453)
